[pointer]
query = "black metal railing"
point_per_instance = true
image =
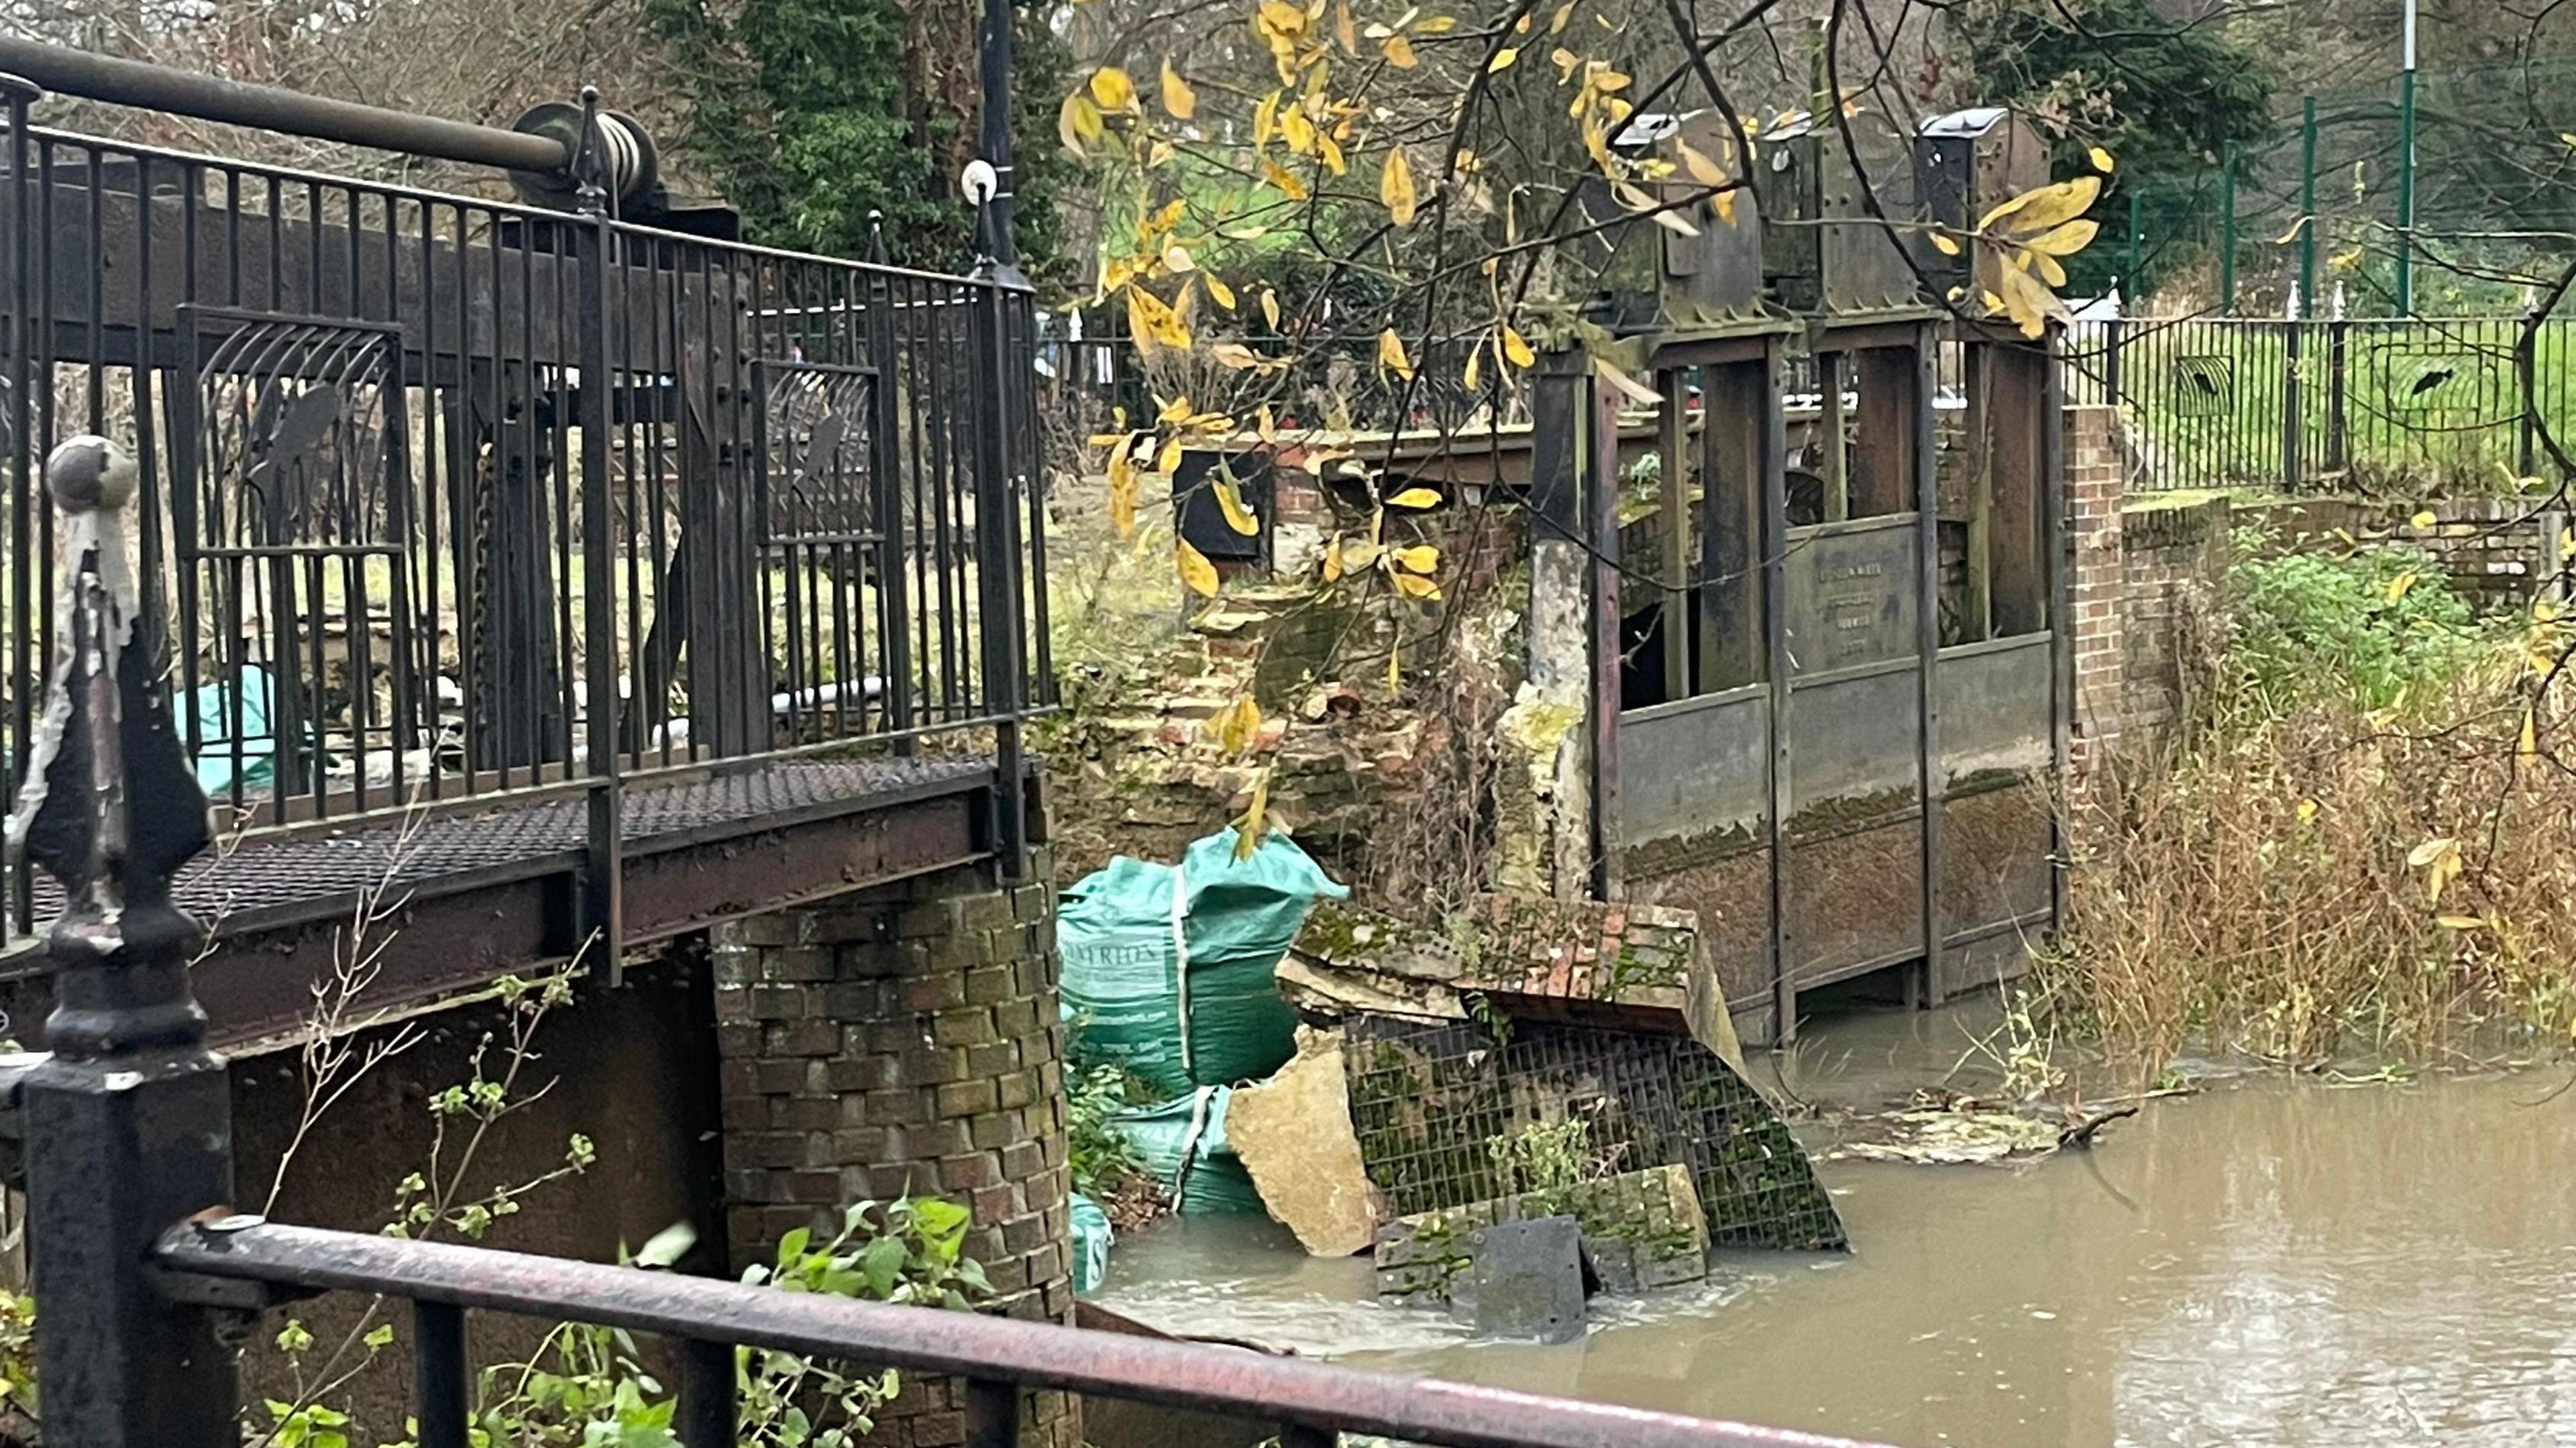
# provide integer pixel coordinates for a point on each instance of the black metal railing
(446, 497)
(2423, 404)
(705, 1319)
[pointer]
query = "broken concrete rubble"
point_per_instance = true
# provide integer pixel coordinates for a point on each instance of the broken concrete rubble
(1634, 966)
(1293, 1133)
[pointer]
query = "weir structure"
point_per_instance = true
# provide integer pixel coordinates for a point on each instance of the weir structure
(1829, 690)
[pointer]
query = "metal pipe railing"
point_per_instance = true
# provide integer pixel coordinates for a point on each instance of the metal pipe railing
(985, 1350)
(208, 98)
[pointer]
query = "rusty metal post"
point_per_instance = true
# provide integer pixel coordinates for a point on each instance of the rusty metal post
(129, 1124)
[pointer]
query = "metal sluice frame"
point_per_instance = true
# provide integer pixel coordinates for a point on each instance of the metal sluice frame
(1854, 773)
(448, 498)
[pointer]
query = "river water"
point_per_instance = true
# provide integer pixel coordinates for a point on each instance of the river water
(2267, 1261)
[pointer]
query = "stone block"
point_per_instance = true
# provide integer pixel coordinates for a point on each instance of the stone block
(1524, 1280)
(1294, 1135)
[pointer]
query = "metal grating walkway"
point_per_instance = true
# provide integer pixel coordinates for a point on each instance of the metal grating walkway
(287, 873)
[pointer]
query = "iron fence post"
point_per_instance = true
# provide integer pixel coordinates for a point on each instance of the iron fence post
(2338, 393)
(2526, 379)
(2308, 201)
(996, 285)
(129, 1122)
(2227, 231)
(2292, 423)
(17, 914)
(603, 865)
(894, 605)
(2114, 333)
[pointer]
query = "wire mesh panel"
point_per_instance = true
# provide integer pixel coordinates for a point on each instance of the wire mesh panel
(1456, 1113)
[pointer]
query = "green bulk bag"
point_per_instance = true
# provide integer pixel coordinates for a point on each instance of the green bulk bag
(1168, 968)
(1092, 1237)
(1182, 1143)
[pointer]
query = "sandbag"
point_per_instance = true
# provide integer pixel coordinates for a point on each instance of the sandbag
(1168, 968)
(1092, 1239)
(1182, 1144)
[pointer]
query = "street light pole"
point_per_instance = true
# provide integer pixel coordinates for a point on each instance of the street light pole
(2406, 172)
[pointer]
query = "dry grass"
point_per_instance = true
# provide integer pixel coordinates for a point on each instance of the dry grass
(2265, 888)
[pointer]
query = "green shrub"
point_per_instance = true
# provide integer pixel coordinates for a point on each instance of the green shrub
(2374, 627)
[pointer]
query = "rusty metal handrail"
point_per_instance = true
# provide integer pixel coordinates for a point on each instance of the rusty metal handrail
(211, 98)
(1310, 1395)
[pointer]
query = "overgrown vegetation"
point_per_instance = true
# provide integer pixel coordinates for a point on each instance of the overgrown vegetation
(1105, 1165)
(2362, 843)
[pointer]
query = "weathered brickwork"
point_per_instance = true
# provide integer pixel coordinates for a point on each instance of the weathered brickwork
(2096, 581)
(905, 1040)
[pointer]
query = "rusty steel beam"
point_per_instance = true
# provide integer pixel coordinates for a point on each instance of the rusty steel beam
(991, 1350)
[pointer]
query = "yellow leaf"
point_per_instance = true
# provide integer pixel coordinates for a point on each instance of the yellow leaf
(1234, 356)
(2426, 519)
(1475, 370)
(1724, 201)
(2026, 302)
(2047, 267)
(2308, 810)
(1942, 243)
(1333, 560)
(1287, 185)
(1358, 555)
(1254, 826)
(1436, 25)
(1517, 350)
(2459, 922)
(1270, 308)
(1265, 427)
(1502, 60)
(1395, 187)
(1077, 123)
(1141, 306)
(1346, 32)
(1195, 570)
(1420, 558)
(1331, 152)
(1277, 17)
(1112, 89)
(2042, 207)
(1168, 460)
(1265, 120)
(2101, 160)
(2529, 744)
(1218, 292)
(2398, 586)
(1237, 726)
(1229, 501)
(1296, 129)
(1415, 586)
(1399, 53)
(1179, 101)
(1556, 22)
(1122, 487)
(1634, 390)
(2065, 240)
(1176, 258)
(1391, 355)
(1702, 170)
(1415, 498)
(1394, 667)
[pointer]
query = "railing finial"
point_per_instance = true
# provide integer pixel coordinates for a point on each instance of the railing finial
(109, 806)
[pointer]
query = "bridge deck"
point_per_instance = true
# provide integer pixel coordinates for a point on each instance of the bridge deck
(469, 891)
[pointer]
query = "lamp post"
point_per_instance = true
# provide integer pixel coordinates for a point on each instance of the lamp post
(993, 138)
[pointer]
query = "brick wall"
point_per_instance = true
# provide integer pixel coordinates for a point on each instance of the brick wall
(2096, 579)
(905, 1040)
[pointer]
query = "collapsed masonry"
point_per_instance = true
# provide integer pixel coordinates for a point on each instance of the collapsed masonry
(1525, 1059)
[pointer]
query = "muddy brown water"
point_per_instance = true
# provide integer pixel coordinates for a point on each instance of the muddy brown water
(2268, 1261)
